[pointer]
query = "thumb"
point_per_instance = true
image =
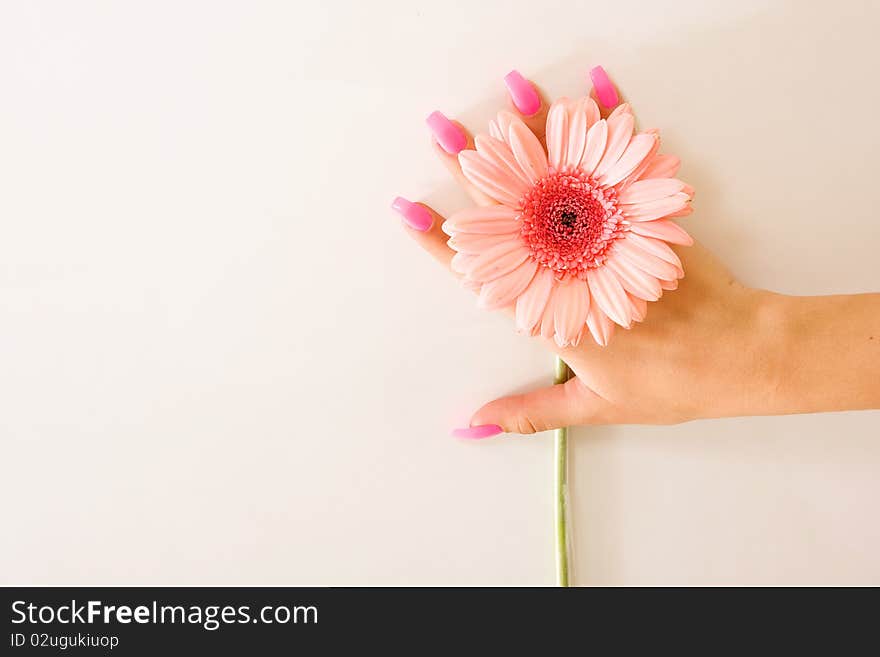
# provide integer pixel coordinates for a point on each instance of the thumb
(539, 410)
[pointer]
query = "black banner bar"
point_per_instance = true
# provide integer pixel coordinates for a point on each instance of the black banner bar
(233, 620)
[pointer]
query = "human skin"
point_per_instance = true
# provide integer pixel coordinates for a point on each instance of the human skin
(712, 348)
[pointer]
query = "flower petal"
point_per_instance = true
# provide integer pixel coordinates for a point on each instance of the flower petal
(647, 262)
(601, 327)
(663, 230)
(570, 311)
(591, 109)
(644, 191)
(597, 138)
(623, 108)
(548, 328)
(685, 211)
(503, 291)
(488, 178)
(531, 303)
(639, 170)
(461, 262)
(527, 150)
(577, 134)
(498, 153)
(634, 280)
(504, 120)
(620, 130)
(662, 166)
(609, 295)
(557, 133)
(488, 220)
(658, 248)
(495, 131)
(638, 308)
(669, 285)
(475, 243)
(656, 209)
(636, 152)
(498, 260)
(473, 286)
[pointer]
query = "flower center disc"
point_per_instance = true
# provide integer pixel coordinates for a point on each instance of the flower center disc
(569, 222)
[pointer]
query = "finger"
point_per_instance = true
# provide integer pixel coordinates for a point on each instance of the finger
(454, 167)
(448, 139)
(557, 406)
(604, 91)
(424, 226)
(528, 102)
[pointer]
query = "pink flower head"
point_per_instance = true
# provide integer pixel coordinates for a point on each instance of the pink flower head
(578, 239)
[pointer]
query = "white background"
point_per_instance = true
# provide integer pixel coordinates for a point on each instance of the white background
(223, 362)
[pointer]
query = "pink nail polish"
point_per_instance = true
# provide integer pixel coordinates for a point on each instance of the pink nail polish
(604, 88)
(522, 93)
(482, 431)
(447, 134)
(414, 215)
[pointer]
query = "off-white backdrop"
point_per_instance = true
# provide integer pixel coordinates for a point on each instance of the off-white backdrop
(224, 362)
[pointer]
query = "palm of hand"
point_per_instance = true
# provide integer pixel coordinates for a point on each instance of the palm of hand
(663, 370)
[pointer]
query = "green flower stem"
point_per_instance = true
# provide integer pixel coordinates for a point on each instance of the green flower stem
(561, 484)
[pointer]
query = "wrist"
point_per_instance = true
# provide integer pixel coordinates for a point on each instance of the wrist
(751, 379)
(774, 342)
(821, 352)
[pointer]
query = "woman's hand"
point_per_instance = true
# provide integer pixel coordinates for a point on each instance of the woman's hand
(710, 348)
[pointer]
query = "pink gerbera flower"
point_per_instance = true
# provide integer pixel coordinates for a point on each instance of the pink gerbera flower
(578, 239)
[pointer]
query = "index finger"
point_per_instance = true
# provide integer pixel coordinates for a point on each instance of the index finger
(528, 102)
(604, 91)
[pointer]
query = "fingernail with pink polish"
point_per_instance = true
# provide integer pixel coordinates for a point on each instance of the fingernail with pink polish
(414, 215)
(447, 134)
(522, 93)
(604, 88)
(481, 431)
